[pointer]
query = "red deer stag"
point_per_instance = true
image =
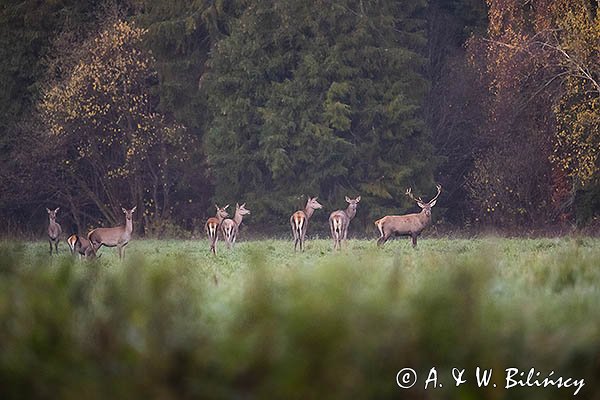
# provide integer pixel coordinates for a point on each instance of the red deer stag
(340, 220)
(230, 227)
(110, 237)
(82, 246)
(299, 221)
(54, 229)
(407, 225)
(212, 227)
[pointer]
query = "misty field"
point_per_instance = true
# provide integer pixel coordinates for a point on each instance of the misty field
(174, 322)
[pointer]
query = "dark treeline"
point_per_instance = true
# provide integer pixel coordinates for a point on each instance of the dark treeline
(173, 106)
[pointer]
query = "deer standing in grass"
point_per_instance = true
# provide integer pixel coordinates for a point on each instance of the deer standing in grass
(340, 220)
(212, 227)
(299, 221)
(54, 229)
(230, 227)
(110, 237)
(407, 225)
(82, 246)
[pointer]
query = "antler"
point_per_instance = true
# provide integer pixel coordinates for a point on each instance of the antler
(439, 190)
(409, 194)
(419, 200)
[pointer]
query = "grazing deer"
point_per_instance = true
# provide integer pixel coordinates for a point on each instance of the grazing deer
(82, 246)
(54, 229)
(230, 227)
(110, 237)
(340, 220)
(299, 221)
(212, 227)
(407, 225)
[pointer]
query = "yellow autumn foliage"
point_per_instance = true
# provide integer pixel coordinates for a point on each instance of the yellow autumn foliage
(104, 105)
(577, 144)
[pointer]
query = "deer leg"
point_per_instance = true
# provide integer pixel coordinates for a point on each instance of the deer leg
(120, 248)
(332, 232)
(345, 231)
(414, 240)
(91, 253)
(335, 235)
(56, 246)
(296, 237)
(382, 240)
(215, 243)
(50, 241)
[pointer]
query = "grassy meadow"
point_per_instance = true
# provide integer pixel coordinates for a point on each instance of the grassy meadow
(174, 322)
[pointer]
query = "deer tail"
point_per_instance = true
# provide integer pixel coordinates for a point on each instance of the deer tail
(72, 241)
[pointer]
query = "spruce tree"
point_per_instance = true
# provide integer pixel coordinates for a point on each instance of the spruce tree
(319, 98)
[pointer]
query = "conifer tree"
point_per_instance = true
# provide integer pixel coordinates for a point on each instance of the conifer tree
(319, 98)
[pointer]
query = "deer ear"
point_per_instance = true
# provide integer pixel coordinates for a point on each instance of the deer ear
(217, 207)
(347, 199)
(358, 199)
(48, 210)
(244, 205)
(432, 203)
(226, 207)
(133, 209)
(124, 210)
(57, 208)
(421, 204)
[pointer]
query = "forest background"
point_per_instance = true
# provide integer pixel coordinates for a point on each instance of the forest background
(173, 106)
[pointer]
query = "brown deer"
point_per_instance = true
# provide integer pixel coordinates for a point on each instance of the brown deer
(54, 229)
(110, 237)
(407, 225)
(212, 227)
(299, 221)
(230, 227)
(82, 246)
(340, 220)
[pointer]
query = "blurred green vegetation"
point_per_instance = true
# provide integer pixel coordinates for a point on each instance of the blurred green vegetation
(173, 322)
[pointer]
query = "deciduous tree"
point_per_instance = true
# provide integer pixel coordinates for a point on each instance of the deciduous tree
(112, 146)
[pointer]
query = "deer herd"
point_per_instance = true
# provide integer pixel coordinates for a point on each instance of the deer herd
(391, 225)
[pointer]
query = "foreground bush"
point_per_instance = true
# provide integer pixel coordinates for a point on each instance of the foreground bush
(340, 326)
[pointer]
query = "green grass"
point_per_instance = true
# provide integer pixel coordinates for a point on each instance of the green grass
(172, 321)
